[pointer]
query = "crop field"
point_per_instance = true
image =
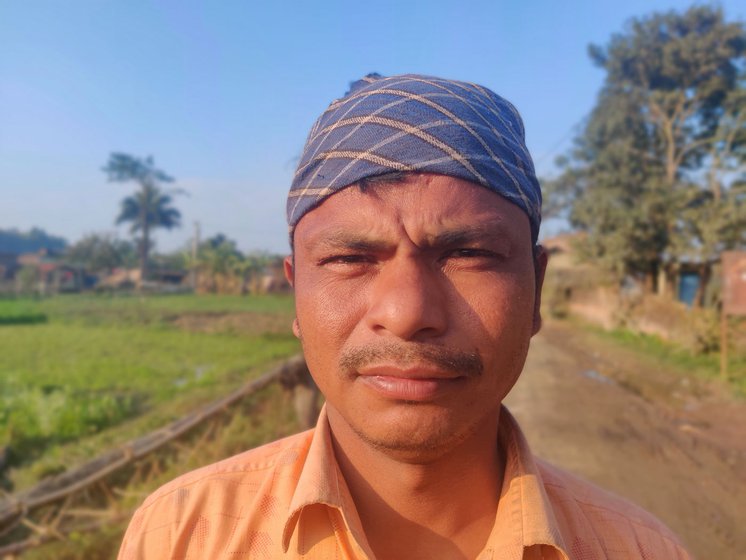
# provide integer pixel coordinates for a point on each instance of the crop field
(80, 374)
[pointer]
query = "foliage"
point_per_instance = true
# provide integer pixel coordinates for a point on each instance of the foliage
(150, 207)
(16, 242)
(101, 252)
(32, 417)
(221, 264)
(261, 418)
(654, 176)
(147, 209)
(175, 260)
(103, 369)
(218, 254)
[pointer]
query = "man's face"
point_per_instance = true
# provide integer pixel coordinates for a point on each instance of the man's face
(415, 304)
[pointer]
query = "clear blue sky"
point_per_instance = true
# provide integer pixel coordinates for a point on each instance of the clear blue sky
(222, 94)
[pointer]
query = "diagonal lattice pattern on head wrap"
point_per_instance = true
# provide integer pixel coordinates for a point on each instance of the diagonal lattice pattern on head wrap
(420, 124)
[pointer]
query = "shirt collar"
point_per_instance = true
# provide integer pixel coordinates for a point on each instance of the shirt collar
(524, 513)
(321, 482)
(525, 516)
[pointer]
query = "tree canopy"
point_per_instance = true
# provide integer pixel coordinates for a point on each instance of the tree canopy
(16, 242)
(101, 253)
(148, 208)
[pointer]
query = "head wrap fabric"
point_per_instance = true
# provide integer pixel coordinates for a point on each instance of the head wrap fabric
(420, 124)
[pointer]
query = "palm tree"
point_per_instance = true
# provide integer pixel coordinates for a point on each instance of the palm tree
(150, 207)
(147, 209)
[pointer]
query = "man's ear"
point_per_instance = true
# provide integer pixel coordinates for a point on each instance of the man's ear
(289, 270)
(541, 258)
(290, 275)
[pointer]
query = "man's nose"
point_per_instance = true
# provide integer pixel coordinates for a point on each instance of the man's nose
(408, 300)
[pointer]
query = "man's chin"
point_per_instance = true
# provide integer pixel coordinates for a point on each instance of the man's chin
(415, 442)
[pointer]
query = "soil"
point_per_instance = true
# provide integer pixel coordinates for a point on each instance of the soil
(673, 443)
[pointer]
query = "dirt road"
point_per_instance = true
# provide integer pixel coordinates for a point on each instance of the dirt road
(673, 444)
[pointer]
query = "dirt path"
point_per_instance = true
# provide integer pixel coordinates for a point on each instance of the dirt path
(670, 443)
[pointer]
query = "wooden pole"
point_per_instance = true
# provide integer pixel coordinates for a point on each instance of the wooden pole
(195, 251)
(723, 345)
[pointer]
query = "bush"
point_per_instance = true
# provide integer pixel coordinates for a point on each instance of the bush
(30, 416)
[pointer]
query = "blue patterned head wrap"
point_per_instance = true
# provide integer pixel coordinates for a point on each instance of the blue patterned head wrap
(420, 124)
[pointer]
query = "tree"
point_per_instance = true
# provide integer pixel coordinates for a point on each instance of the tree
(714, 217)
(150, 207)
(101, 253)
(645, 178)
(613, 191)
(15, 242)
(218, 257)
(223, 268)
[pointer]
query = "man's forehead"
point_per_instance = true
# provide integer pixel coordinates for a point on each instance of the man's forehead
(437, 209)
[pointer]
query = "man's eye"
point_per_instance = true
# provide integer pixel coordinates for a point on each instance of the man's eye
(470, 257)
(345, 259)
(470, 253)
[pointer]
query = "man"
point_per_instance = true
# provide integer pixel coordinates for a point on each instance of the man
(414, 216)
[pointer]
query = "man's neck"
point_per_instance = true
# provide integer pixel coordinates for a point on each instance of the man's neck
(444, 508)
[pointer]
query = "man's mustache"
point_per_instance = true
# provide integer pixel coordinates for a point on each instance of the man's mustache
(468, 364)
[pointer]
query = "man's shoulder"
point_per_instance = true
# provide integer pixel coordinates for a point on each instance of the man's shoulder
(218, 507)
(582, 508)
(244, 471)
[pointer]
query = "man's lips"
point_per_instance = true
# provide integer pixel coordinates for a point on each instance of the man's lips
(410, 383)
(407, 372)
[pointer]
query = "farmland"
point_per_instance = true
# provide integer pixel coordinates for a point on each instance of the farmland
(81, 374)
(78, 374)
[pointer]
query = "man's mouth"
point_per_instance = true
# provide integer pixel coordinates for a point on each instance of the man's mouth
(413, 372)
(413, 384)
(413, 360)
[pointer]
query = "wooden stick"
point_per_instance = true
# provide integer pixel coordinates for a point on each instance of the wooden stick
(723, 344)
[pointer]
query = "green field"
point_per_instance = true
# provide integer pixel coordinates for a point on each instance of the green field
(79, 374)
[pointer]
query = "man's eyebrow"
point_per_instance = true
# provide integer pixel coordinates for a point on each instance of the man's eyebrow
(469, 234)
(357, 241)
(353, 241)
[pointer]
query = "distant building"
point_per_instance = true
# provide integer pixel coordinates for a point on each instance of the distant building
(48, 275)
(121, 278)
(160, 280)
(562, 251)
(9, 265)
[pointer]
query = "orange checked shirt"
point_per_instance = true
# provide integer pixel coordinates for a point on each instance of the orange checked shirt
(288, 499)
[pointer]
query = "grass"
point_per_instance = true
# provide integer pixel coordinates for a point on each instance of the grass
(704, 365)
(261, 418)
(20, 312)
(80, 373)
(118, 309)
